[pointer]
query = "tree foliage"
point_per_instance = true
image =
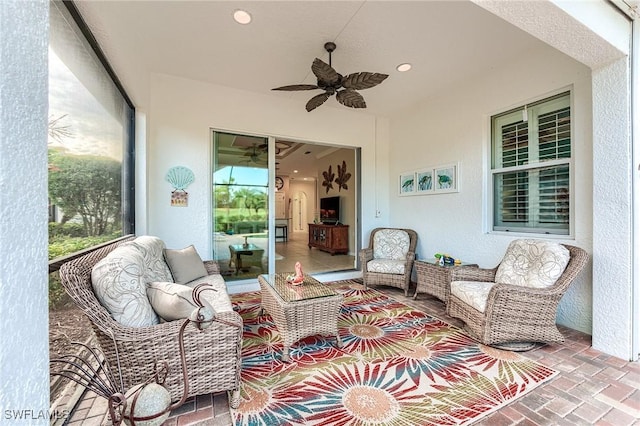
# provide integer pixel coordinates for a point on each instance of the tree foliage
(89, 187)
(250, 199)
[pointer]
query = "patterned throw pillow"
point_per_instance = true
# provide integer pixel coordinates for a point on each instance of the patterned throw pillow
(391, 244)
(173, 301)
(218, 299)
(386, 266)
(473, 293)
(118, 283)
(533, 263)
(151, 248)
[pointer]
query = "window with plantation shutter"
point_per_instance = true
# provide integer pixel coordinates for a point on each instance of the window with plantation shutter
(530, 167)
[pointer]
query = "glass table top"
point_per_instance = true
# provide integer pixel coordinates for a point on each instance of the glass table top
(309, 289)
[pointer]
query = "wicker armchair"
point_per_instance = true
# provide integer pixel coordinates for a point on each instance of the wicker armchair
(212, 355)
(514, 314)
(389, 258)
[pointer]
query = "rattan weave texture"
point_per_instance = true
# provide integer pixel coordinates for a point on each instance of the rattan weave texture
(316, 314)
(435, 279)
(392, 280)
(515, 313)
(213, 355)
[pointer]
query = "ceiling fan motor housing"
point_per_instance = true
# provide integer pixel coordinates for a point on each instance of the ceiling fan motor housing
(329, 80)
(329, 46)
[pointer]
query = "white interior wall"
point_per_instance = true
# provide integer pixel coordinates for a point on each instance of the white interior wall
(308, 187)
(180, 117)
(454, 127)
(24, 351)
(348, 197)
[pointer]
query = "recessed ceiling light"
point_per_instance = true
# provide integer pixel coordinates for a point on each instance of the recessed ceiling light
(295, 171)
(242, 16)
(404, 67)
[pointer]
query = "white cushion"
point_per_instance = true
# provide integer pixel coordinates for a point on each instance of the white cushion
(473, 293)
(391, 244)
(173, 301)
(386, 266)
(218, 299)
(185, 264)
(151, 249)
(118, 283)
(532, 263)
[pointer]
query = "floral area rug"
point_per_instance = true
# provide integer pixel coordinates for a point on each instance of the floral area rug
(398, 366)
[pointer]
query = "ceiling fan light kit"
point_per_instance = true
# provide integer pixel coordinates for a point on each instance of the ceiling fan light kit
(333, 83)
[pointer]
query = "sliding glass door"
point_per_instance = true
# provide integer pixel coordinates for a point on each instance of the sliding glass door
(268, 197)
(240, 205)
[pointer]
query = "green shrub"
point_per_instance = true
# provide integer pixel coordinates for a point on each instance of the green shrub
(62, 245)
(57, 296)
(66, 229)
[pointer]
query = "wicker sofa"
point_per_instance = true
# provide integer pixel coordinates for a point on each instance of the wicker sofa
(212, 355)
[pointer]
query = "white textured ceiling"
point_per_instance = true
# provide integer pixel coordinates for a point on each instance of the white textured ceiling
(446, 41)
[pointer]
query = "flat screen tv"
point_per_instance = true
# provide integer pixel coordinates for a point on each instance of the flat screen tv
(330, 210)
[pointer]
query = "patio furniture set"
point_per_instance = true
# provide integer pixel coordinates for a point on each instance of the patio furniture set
(511, 305)
(137, 293)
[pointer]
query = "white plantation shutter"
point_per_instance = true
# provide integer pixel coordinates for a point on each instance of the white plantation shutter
(531, 168)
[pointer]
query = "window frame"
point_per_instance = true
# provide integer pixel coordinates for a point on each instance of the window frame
(547, 102)
(128, 160)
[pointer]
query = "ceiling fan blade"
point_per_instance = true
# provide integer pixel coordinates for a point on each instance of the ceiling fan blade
(317, 100)
(363, 80)
(297, 87)
(326, 75)
(351, 98)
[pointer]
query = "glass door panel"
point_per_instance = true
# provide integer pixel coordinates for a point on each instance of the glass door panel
(240, 205)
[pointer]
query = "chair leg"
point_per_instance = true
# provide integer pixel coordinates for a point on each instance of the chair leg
(234, 398)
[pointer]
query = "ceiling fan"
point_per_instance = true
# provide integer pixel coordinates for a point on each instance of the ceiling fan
(344, 87)
(255, 154)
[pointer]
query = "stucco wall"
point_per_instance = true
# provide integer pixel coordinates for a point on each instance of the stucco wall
(24, 350)
(181, 115)
(612, 192)
(454, 127)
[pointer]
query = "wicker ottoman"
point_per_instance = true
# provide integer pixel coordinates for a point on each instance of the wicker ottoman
(308, 309)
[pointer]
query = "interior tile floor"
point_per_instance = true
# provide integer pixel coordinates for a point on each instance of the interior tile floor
(294, 249)
(313, 261)
(592, 388)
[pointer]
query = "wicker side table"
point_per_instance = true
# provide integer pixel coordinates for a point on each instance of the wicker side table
(309, 309)
(434, 279)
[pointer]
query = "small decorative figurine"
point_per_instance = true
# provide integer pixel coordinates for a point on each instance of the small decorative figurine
(298, 278)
